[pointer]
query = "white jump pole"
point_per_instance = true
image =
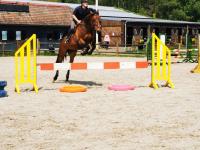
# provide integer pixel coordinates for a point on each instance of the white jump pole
(96, 4)
(97, 38)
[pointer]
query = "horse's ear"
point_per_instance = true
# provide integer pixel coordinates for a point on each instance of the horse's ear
(94, 12)
(91, 12)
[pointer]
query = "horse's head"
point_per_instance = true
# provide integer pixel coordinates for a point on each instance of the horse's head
(93, 19)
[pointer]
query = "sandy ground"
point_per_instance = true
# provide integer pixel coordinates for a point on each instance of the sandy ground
(143, 119)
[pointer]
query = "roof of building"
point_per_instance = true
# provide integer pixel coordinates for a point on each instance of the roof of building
(151, 21)
(106, 11)
(112, 13)
(41, 13)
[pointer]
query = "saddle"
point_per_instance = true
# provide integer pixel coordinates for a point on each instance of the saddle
(71, 32)
(69, 35)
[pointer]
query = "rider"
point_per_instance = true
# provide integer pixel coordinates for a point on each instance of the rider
(79, 14)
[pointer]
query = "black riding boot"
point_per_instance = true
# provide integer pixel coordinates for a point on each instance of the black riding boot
(69, 34)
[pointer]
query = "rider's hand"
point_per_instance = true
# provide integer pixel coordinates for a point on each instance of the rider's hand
(79, 21)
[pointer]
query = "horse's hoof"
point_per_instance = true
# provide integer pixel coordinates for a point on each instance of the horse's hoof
(54, 80)
(83, 54)
(67, 79)
(90, 52)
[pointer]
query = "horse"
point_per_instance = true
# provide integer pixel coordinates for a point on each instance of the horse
(80, 39)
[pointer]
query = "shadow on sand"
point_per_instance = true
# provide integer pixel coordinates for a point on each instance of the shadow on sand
(89, 84)
(86, 83)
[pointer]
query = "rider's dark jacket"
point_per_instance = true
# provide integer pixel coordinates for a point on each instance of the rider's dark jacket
(81, 13)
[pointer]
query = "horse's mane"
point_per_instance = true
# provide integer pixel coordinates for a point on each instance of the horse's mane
(88, 17)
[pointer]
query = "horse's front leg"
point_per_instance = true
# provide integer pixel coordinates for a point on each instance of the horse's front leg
(93, 44)
(72, 55)
(86, 49)
(93, 47)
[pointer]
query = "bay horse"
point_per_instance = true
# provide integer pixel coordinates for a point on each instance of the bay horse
(80, 39)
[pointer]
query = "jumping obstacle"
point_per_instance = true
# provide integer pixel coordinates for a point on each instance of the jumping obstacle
(197, 68)
(25, 64)
(3, 93)
(93, 65)
(161, 63)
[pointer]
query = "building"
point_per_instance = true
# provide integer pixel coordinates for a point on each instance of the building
(48, 21)
(21, 18)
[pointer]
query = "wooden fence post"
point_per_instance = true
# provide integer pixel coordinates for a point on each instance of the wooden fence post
(117, 45)
(197, 68)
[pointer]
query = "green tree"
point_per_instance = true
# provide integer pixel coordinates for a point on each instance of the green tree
(193, 11)
(188, 10)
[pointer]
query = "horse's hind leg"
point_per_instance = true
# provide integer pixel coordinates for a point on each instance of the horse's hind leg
(67, 75)
(59, 60)
(72, 54)
(56, 76)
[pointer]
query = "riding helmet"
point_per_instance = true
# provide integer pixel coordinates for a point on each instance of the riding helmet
(84, 1)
